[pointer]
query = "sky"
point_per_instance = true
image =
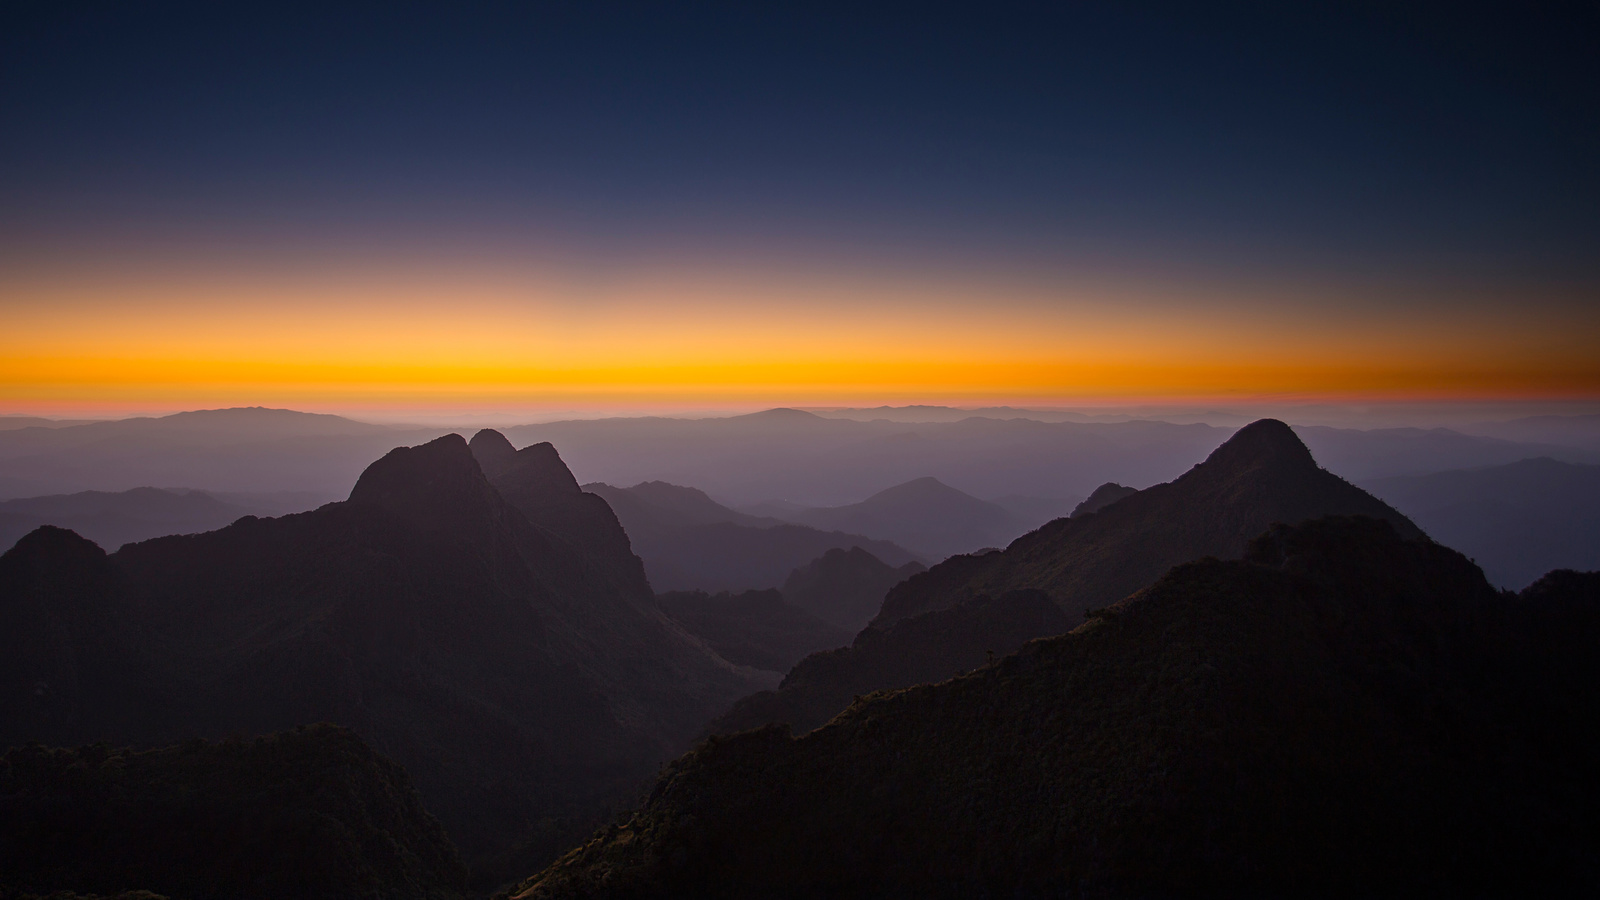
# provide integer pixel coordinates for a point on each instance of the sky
(399, 206)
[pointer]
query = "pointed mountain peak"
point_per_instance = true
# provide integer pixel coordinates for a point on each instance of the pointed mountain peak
(1263, 443)
(926, 486)
(1103, 496)
(56, 546)
(435, 485)
(493, 451)
(536, 469)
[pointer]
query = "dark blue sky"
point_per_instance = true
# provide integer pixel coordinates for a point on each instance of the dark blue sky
(1331, 137)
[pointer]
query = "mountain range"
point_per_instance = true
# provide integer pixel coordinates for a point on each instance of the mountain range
(1261, 475)
(231, 450)
(813, 461)
(1342, 712)
(515, 664)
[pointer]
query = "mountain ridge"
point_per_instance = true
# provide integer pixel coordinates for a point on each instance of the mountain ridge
(1261, 475)
(1341, 712)
(520, 682)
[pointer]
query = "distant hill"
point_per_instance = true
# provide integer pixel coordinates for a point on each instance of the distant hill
(672, 505)
(1517, 521)
(690, 542)
(1566, 431)
(311, 812)
(845, 587)
(518, 669)
(7, 423)
(241, 450)
(754, 628)
(1261, 475)
(817, 461)
(1342, 713)
(1361, 455)
(114, 519)
(925, 515)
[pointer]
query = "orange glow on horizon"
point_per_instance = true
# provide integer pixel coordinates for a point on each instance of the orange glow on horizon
(437, 337)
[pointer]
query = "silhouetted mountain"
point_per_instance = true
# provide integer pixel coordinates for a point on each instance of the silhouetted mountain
(307, 813)
(1103, 496)
(673, 505)
(925, 515)
(517, 680)
(1344, 713)
(845, 587)
(1261, 475)
(76, 663)
(541, 487)
(754, 628)
(114, 519)
(1516, 521)
(690, 542)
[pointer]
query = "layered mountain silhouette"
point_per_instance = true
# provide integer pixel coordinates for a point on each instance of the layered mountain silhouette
(514, 662)
(845, 587)
(925, 515)
(1516, 521)
(1343, 712)
(1261, 475)
(311, 812)
(815, 461)
(690, 542)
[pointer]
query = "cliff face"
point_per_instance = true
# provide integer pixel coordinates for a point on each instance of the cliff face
(1342, 712)
(516, 668)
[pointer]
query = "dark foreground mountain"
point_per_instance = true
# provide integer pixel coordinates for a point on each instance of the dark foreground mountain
(1261, 475)
(1342, 713)
(520, 682)
(925, 515)
(1516, 521)
(690, 542)
(845, 587)
(760, 629)
(306, 813)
